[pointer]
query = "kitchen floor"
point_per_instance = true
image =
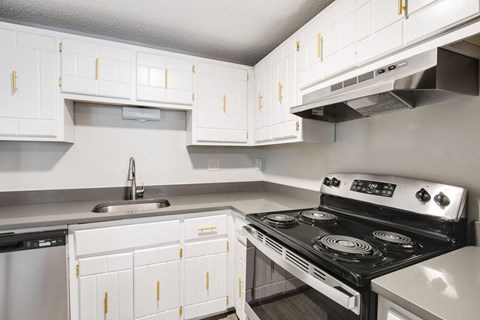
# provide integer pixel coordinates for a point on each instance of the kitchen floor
(231, 316)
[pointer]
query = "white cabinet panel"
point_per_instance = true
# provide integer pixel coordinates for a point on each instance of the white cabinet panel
(106, 296)
(428, 20)
(157, 288)
(164, 79)
(95, 68)
(379, 29)
(221, 104)
(27, 85)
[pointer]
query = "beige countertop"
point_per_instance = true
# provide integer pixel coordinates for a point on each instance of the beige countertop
(446, 287)
(64, 213)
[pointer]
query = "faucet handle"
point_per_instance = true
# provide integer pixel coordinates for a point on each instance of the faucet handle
(140, 191)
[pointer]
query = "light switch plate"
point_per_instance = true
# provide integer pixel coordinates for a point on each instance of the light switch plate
(213, 164)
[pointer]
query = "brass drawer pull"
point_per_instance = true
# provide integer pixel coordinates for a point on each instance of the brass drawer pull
(224, 104)
(158, 291)
(211, 229)
(402, 7)
(280, 91)
(97, 67)
(105, 303)
(14, 81)
(207, 285)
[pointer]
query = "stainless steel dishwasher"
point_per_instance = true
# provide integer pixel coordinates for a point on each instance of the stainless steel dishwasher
(33, 276)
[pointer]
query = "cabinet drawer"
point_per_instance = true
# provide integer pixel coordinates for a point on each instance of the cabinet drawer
(126, 237)
(200, 228)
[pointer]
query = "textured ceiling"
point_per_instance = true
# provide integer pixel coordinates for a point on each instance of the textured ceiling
(241, 31)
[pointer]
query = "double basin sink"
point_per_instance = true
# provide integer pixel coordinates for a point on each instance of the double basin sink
(131, 205)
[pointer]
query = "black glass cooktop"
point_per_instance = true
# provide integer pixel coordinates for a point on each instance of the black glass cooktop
(353, 249)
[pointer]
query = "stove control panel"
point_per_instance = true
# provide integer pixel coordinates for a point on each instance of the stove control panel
(373, 187)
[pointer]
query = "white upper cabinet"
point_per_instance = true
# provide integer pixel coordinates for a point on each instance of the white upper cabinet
(379, 28)
(262, 103)
(220, 105)
(96, 68)
(164, 79)
(28, 85)
(428, 17)
(284, 65)
(327, 43)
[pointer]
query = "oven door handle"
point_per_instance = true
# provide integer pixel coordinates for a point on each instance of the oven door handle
(331, 287)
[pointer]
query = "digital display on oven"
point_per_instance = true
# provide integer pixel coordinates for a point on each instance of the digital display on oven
(374, 188)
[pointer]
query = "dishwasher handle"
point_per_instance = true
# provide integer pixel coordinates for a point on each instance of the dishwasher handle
(33, 240)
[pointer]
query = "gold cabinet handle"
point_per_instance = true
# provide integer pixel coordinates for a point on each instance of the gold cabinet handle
(105, 303)
(166, 78)
(224, 104)
(260, 98)
(402, 7)
(158, 291)
(14, 81)
(239, 287)
(211, 229)
(207, 284)
(280, 91)
(97, 67)
(320, 47)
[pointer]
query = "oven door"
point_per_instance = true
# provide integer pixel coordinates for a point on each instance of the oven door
(282, 285)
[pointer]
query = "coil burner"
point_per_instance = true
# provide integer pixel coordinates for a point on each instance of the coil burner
(346, 248)
(316, 217)
(280, 220)
(393, 240)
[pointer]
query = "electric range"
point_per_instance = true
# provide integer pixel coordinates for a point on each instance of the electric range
(365, 226)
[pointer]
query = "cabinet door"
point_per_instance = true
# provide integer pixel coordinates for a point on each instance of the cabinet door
(284, 124)
(179, 81)
(95, 69)
(113, 72)
(338, 38)
(27, 85)
(240, 276)
(310, 67)
(379, 28)
(263, 101)
(221, 104)
(427, 17)
(79, 67)
(157, 289)
(205, 278)
(162, 79)
(106, 296)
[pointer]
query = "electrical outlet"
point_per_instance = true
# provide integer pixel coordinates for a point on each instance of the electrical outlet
(213, 164)
(259, 164)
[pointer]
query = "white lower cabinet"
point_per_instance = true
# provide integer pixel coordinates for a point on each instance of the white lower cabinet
(240, 272)
(205, 278)
(105, 288)
(157, 283)
(158, 270)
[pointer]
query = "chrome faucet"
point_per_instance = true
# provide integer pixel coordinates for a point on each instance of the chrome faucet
(135, 192)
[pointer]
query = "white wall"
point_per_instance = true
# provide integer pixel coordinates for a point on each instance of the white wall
(438, 143)
(103, 145)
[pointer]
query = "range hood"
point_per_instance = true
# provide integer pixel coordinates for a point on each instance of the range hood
(431, 77)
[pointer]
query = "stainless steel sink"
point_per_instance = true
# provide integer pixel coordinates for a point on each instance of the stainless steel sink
(131, 205)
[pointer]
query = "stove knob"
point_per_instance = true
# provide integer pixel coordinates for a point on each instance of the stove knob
(335, 182)
(422, 195)
(327, 182)
(441, 199)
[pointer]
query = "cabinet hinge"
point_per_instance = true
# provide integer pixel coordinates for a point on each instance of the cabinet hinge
(193, 68)
(181, 253)
(60, 47)
(77, 270)
(228, 246)
(193, 96)
(180, 311)
(228, 300)
(298, 126)
(247, 135)
(60, 82)
(298, 45)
